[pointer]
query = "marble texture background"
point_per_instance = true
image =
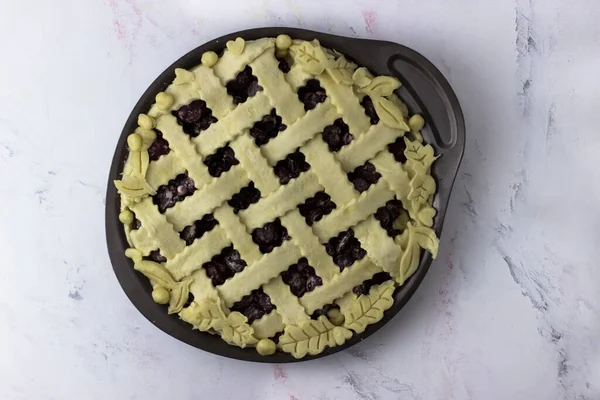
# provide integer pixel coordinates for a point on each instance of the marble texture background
(509, 310)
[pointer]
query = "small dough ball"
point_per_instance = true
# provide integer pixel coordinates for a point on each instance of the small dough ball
(416, 123)
(134, 254)
(164, 101)
(134, 141)
(161, 295)
(280, 53)
(126, 217)
(266, 347)
(335, 316)
(209, 59)
(283, 42)
(146, 122)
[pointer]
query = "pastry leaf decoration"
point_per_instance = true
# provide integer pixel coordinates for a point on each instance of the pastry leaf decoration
(312, 58)
(134, 186)
(209, 314)
(159, 275)
(368, 309)
(418, 237)
(312, 337)
(419, 153)
(425, 238)
(179, 295)
(341, 71)
(205, 315)
(360, 77)
(238, 331)
(421, 186)
(409, 262)
(389, 113)
(381, 86)
(425, 216)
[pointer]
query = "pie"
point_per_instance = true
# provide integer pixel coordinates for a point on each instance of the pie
(277, 195)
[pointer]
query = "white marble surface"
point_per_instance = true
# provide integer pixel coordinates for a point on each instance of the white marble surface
(510, 310)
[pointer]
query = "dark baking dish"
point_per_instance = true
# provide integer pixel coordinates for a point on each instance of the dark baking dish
(425, 91)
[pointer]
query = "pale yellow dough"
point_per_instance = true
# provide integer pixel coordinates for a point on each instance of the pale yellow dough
(346, 85)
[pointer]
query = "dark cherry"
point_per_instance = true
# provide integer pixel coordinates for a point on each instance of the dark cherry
(221, 161)
(364, 176)
(365, 287)
(189, 300)
(159, 147)
(198, 228)
(255, 305)
(387, 214)
(223, 266)
(322, 311)
(311, 94)
(176, 190)
(276, 337)
(267, 128)
(245, 197)
(137, 224)
(283, 66)
(301, 278)
(195, 117)
(243, 86)
(397, 149)
(272, 235)
(316, 207)
(337, 135)
(156, 256)
(291, 167)
(367, 104)
(345, 249)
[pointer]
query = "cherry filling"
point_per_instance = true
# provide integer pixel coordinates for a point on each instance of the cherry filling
(291, 167)
(311, 94)
(364, 176)
(272, 235)
(243, 86)
(255, 305)
(176, 190)
(345, 249)
(223, 266)
(195, 117)
(301, 278)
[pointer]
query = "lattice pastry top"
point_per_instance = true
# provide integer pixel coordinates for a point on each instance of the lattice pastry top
(277, 195)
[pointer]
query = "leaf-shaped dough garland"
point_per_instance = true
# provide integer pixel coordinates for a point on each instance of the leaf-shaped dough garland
(361, 78)
(425, 216)
(208, 314)
(341, 71)
(312, 58)
(237, 330)
(418, 237)
(389, 113)
(368, 309)
(424, 155)
(312, 337)
(134, 186)
(159, 275)
(381, 86)
(421, 187)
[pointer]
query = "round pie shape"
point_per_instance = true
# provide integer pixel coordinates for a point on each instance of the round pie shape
(278, 195)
